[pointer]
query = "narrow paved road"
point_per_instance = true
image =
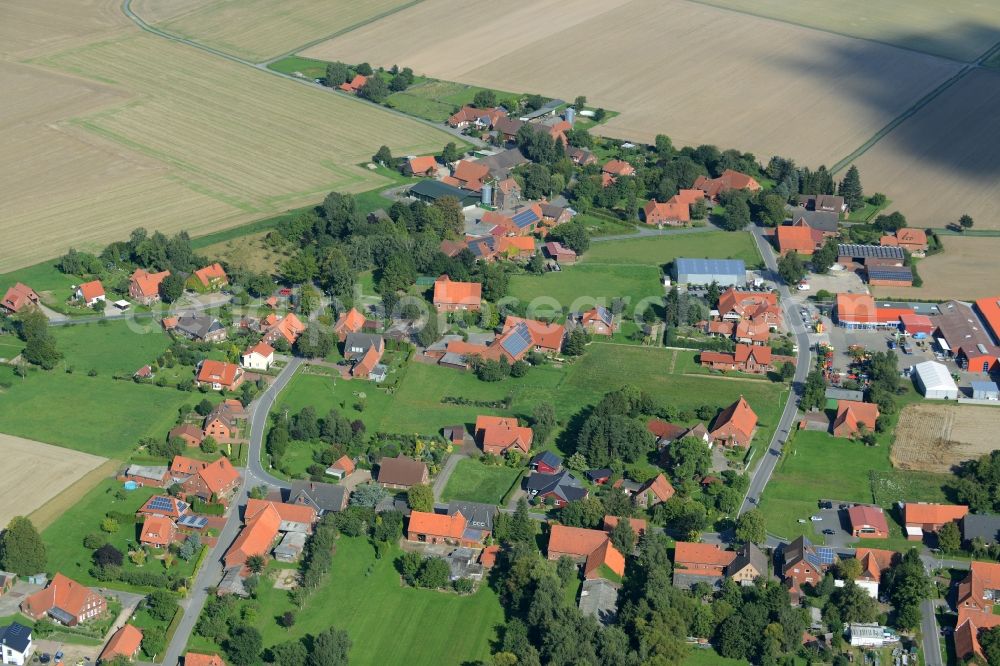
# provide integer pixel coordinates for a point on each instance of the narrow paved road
(929, 632)
(765, 468)
(211, 570)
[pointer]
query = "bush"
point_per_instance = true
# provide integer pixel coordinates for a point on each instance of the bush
(109, 525)
(464, 586)
(94, 540)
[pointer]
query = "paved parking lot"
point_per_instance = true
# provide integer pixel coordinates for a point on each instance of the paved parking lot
(834, 519)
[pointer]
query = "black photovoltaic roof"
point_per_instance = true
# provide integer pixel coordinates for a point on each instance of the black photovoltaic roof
(870, 251)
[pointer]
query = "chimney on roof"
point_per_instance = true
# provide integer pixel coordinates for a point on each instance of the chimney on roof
(312, 486)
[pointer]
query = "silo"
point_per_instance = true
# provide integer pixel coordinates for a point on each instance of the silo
(487, 194)
(570, 114)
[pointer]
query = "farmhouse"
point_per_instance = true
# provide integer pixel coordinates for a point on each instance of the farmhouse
(324, 498)
(469, 116)
(753, 359)
(65, 601)
(911, 240)
(498, 435)
(16, 645)
(655, 491)
(211, 277)
(852, 416)
(798, 237)
(976, 603)
(724, 272)
(555, 489)
(735, 425)
(598, 321)
(748, 565)
(965, 337)
(197, 327)
(827, 203)
(18, 297)
(436, 528)
(675, 212)
(700, 563)
(859, 311)
(729, 180)
(925, 517)
(546, 338)
(124, 643)
(563, 255)
(400, 473)
(934, 381)
(144, 286)
(452, 296)
(467, 175)
(258, 357)
(736, 305)
(868, 522)
(873, 562)
(214, 481)
(263, 522)
(354, 85)
(351, 321)
(426, 165)
(157, 532)
(221, 422)
(592, 548)
(803, 563)
(849, 254)
(287, 328)
(90, 293)
(219, 375)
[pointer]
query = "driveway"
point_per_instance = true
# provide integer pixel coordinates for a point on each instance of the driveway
(929, 633)
(442, 478)
(11, 602)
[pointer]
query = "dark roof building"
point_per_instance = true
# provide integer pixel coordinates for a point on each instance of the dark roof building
(859, 252)
(200, 327)
(981, 526)
(356, 345)
(500, 165)
(599, 599)
(16, 637)
(889, 276)
(563, 487)
(433, 190)
(547, 458)
(322, 497)
(478, 516)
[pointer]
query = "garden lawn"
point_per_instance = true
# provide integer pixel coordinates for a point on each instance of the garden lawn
(473, 481)
(96, 415)
(309, 68)
(387, 623)
(64, 537)
(659, 250)
(10, 346)
(111, 347)
(436, 100)
(578, 287)
(43, 277)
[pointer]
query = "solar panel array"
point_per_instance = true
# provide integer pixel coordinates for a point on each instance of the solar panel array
(603, 313)
(518, 341)
(160, 504)
(869, 251)
(897, 273)
(826, 555)
(195, 522)
(524, 218)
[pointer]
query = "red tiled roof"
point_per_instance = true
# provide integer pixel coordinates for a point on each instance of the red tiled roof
(19, 296)
(91, 290)
(797, 238)
(450, 292)
(604, 555)
(498, 432)
(575, 540)
(618, 168)
(61, 592)
(470, 174)
(261, 348)
(219, 475)
(437, 524)
(289, 327)
(368, 362)
(739, 415)
(344, 463)
(660, 487)
(516, 244)
(355, 84)
(546, 336)
(488, 557)
(703, 554)
(126, 641)
(148, 284)
(255, 538)
(351, 321)
(989, 310)
(208, 274)
(292, 513)
(854, 414)
(861, 308)
(638, 524)
(198, 659)
(874, 561)
(862, 515)
(729, 180)
(185, 465)
(158, 530)
(661, 429)
(218, 372)
(422, 165)
(928, 513)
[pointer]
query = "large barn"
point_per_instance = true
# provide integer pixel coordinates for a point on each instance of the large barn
(724, 272)
(934, 381)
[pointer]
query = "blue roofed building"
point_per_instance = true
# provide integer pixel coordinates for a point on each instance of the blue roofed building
(724, 272)
(15, 644)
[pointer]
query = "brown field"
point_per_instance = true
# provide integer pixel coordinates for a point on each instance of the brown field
(967, 269)
(134, 130)
(697, 73)
(40, 472)
(29, 27)
(259, 29)
(960, 29)
(936, 437)
(942, 162)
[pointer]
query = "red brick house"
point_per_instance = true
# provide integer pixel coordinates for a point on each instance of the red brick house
(211, 277)
(65, 601)
(190, 434)
(729, 180)
(144, 286)
(206, 481)
(425, 165)
(439, 528)
(925, 517)
(498, 435)
(653, 492)
(908, 238)
(868, 522)
(124, 643)
(222, 422)
(976, 603)
(752, 359)
(676, 211)
(157, 532)
(563, 255)
(18, 297)
(799, 238)
(598, 321)
(452, 296)
(354, 85)
(802, 564)
(735, 425)
(592, 548)
(351, 321)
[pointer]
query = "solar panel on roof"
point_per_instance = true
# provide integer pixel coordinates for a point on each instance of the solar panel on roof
(195, 522)
(518, 341)
(160, 504)
(899, 274)
(524, 218)
(603, 313)
(826, 555)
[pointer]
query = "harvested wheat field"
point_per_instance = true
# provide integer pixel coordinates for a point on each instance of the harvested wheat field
(136, 130)
(42, 472)
(942, 162)
(966, 270)
(697, 73)
(259, 29)
(30, 27)
(936, 437)
(960, 29)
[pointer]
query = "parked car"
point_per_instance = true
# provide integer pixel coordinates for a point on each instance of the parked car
(829, 531)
